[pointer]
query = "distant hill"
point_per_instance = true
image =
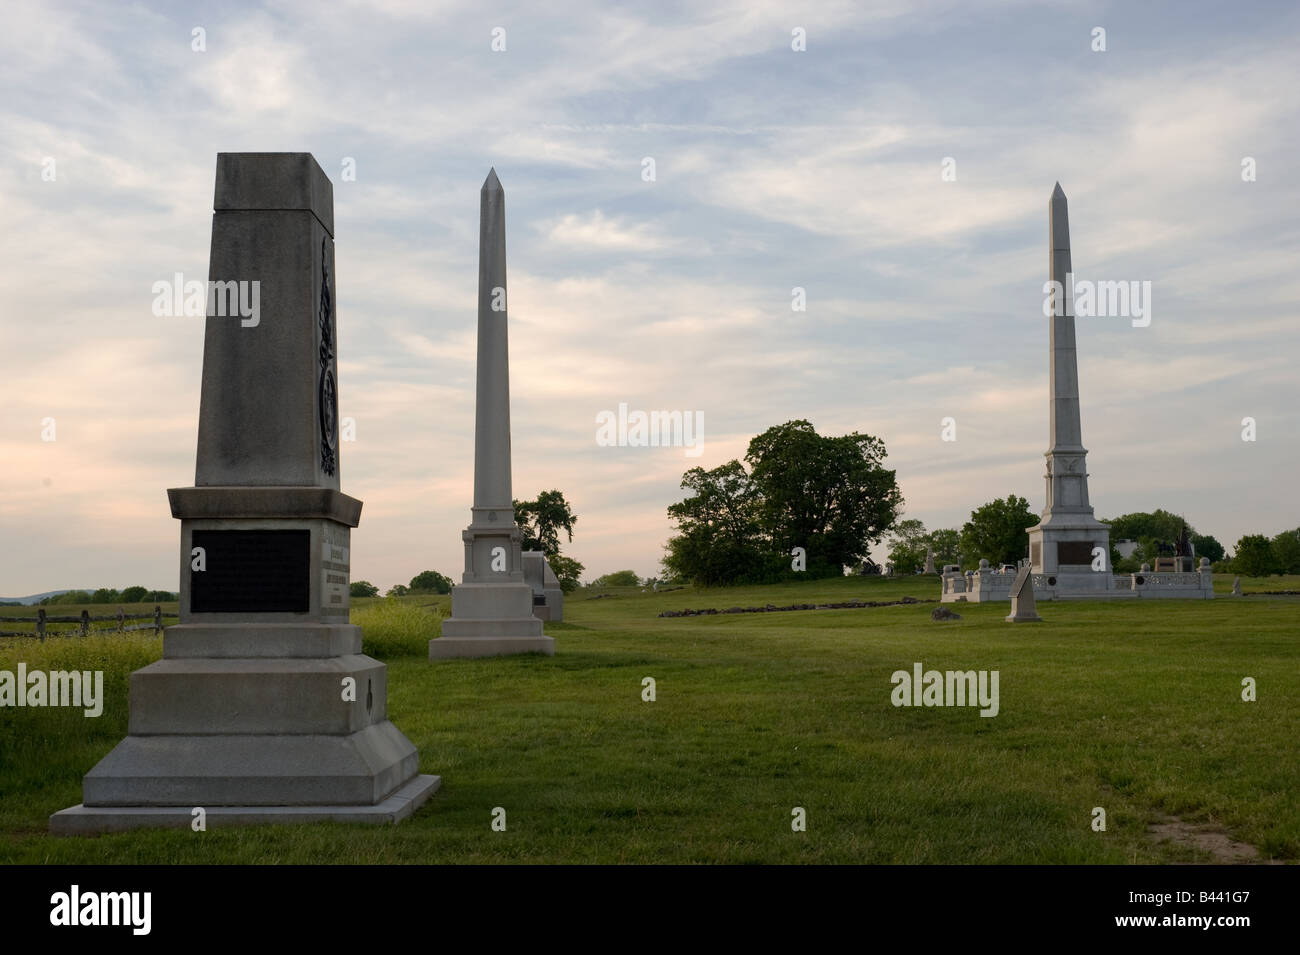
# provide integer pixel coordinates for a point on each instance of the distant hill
(33, 598)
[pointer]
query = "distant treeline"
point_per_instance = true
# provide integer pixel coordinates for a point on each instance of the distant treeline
(107, 595)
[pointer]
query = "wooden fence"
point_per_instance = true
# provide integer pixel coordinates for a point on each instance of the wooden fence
(85, 620)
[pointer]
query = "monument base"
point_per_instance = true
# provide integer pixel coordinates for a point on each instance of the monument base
(91, 820)
(491, 619)
(1023, 618)
(446, 648)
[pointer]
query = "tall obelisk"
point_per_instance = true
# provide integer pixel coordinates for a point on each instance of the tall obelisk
(263, 707)
(1063, 541)
(492, 607)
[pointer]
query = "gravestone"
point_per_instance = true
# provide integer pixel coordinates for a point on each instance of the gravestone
(1236, 586)
(492, 607)
(1022, 598)
(263, 708)
(929, 560)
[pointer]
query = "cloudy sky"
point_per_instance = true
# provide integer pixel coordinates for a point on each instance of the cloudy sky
(774, 169)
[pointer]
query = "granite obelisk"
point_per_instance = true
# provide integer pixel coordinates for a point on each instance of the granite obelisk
(492, 607)
(263, 708)
(1064, 540)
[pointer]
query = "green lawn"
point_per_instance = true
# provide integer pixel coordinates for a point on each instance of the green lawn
(1134, 707)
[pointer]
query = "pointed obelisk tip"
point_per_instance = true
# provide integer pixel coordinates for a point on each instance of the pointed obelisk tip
(492, 183)
(1058, 193)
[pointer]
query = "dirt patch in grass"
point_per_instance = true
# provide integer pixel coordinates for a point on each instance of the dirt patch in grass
(1224, 849)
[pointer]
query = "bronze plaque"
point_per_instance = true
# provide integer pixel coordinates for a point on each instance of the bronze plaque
(252, 572)
(1074, 552)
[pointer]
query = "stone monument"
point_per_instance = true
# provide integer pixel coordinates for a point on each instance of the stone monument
(1022, 598)
(263, 708)
(929, 560)
(548, 595)
(492, 607)
(1061, 544)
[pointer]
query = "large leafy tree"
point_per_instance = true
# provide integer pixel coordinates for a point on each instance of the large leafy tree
(1286, 552)
(567, 570)
(719, 538)
(998, 530)
(1206, 546)
(430, 581)
(1254, 556)
(947, 546)
(1157, 533)
(827, 495)
(907, 546)
(542, 521)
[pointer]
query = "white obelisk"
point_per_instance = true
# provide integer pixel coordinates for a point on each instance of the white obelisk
(1064, 542)
(492, 607)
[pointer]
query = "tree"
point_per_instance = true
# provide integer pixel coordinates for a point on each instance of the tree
(567, 570)
(718, 539)
(1286, 552)
(998, 530)
(829, 496)
(947, 546)
(106, 595)
(907, 542)
(134, 595)
(161, 596)
(542, 520)
(1157, 534)
(74, 597)
(619, 578)
(363, 588)
(397, 590)
(1254, 556)
(1207, 546)
(430, 581)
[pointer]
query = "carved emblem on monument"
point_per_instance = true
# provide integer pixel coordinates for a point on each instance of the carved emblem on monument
(328, 389)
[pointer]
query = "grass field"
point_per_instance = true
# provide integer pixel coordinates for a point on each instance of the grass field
(1133, 707)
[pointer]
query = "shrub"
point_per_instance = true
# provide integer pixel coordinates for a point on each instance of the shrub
(394, 628)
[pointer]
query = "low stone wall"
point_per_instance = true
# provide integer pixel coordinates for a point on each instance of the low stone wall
(985, 585)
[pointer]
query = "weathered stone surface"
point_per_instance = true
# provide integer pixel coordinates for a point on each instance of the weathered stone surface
(263, 707)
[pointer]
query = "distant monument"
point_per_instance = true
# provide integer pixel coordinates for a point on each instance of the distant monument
(929, 560)
(1069, 549)
(263, 708)
(1062, 543)
(492, 607)
(1022, 598)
